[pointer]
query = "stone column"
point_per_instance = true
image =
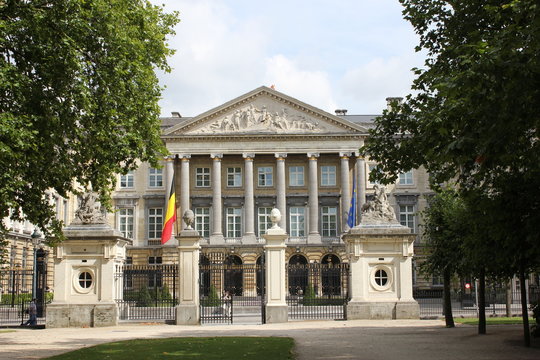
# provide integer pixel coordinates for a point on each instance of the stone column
(281, 199)
(187, 311)
(345, 190)
(276, 305)
(249, 200)
(360, 184)
(169, 177)
(217, 210)
(184, 186)
(313, 200)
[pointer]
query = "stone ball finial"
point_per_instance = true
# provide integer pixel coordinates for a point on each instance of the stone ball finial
(188, 218)
(275, 217)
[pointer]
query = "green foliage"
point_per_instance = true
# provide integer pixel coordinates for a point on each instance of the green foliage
(444, 228)
(309, 297)
(165, 294)
(535, 328)
(8, 298)
(213, 298)
(473, 120)
(144, 298)
(79, 98)
(213, 348)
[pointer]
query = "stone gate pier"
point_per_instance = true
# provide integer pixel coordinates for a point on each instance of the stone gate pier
(380, 253)
(84, 270)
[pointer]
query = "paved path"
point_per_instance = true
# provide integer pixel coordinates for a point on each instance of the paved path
(357, 339)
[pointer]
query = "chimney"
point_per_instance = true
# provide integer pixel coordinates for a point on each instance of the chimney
(176, 114)
(390, 100)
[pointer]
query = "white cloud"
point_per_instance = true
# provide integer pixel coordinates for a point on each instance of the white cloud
(368, 85)
(312, 87)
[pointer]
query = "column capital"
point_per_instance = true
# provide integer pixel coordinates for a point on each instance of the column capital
(280, 156)
(184, 157)
(169, 158)
(359, 156)
(216, 157)
(345, 154)
(248, 156)
(313, 155)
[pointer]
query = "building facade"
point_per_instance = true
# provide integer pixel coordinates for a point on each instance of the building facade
(232, 164)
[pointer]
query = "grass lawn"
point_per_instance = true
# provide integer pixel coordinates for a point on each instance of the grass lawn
(493, 320)
(192, 348)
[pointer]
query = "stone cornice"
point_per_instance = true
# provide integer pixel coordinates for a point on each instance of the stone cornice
(259, 137)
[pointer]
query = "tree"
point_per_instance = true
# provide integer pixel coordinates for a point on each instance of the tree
(444, 235)
(474, 117)
(78, 98)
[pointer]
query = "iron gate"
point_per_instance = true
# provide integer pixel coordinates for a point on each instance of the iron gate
(230, 289)
(317, 291)
(16, 288)
(147, 292)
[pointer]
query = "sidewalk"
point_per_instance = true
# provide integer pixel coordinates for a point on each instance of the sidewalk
(356, 339)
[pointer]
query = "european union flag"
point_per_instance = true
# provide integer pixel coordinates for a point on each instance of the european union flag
(351, 220)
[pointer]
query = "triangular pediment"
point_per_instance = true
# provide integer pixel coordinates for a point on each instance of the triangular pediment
(264, 111)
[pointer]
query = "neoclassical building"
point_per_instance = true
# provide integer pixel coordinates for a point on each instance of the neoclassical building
(232, 164)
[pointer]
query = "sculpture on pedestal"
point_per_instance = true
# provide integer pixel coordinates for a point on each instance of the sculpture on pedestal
(89, 211)
(378, 210)
(188, 218)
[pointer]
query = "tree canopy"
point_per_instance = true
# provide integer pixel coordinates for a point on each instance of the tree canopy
(78, 97)
(474, 115)
(473, 118)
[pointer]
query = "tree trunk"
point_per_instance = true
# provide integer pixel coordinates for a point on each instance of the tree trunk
(524, 310)
(447, 301)
(482, 302)
(509, 298)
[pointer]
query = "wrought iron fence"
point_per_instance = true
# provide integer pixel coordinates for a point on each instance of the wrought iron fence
(464, 301)
(317, 291)
(16, 294)
(228, 286)
(147, 292)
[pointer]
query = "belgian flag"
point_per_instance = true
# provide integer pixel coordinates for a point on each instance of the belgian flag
(170, 216)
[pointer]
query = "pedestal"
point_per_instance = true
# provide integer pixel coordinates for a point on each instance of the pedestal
(380, 258)
(85, 268)
(276, 304)
(187, 311)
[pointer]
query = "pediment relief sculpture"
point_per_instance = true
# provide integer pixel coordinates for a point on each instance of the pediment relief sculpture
(253, 119)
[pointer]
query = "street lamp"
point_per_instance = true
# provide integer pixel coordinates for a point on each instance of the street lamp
(36, 240)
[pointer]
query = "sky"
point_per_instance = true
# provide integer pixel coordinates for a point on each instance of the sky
(331, 54)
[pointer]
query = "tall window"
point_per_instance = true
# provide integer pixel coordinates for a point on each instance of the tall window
(155, 177)
(127, 181)
(264, 220)
(296, 176)
(371, 167)
(202, 221)
(202, 177)
(155, 223)
(406, 215)
(125, 222)
(234, 222)
(265, 176)
(329, 221)
(297, 221)
(406, 178)
(328, 175)
(234, 177)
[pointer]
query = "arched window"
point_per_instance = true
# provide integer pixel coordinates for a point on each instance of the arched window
(233, 275)
(298, 274)
(331, 275)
